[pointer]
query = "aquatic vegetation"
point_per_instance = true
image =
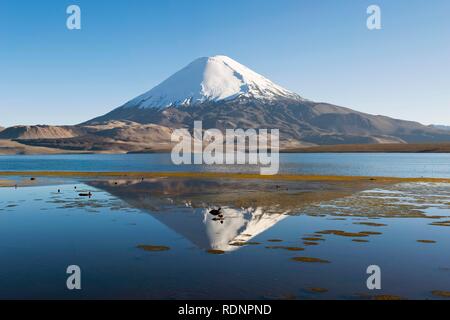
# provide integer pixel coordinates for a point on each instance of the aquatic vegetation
(309, 260)
(426, 241)
(371, 233)
(313, 239)
(214, 251)
(152, 248)
(410, 200)
(343, 233)
(371, 224)
(88, 203)
(441, 223)
(441, 294)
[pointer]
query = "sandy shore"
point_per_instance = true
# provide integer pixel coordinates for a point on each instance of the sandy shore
(10, 147)
(219, 175)
(443, 147)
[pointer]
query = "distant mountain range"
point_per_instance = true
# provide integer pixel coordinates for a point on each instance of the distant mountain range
(441, 127)
(223, 94)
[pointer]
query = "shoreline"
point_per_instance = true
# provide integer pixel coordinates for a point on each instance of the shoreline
(14, 147)
(215, 175)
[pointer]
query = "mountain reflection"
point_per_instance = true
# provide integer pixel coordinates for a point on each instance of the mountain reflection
(247, 208)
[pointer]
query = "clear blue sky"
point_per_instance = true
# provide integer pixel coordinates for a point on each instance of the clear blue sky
(320, 49)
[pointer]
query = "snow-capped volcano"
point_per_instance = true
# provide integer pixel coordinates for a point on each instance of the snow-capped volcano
(210, 79)
(224, 94)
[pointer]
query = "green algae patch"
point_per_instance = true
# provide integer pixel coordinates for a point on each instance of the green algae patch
(441, 294)
(285, 248)
(152, 248)
(385, 297)
(426, 241)
(371, 224)
(309, 260)
(343, 233)
(214, 251)
(318, 290)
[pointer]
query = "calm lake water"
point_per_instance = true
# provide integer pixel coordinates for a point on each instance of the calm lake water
(260, 248)
(389, 164)
(157, 238)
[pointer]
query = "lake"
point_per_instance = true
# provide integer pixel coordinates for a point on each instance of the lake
(177, 238)
(357, 164)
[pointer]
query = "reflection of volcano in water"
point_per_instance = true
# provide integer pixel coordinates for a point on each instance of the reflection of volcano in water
(238, 226)
(168, 201)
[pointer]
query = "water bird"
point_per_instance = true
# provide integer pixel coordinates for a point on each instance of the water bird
(216, 212)
(89, 194)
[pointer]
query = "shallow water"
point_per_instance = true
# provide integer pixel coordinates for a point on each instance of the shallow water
(43, 231)
(359, 164)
